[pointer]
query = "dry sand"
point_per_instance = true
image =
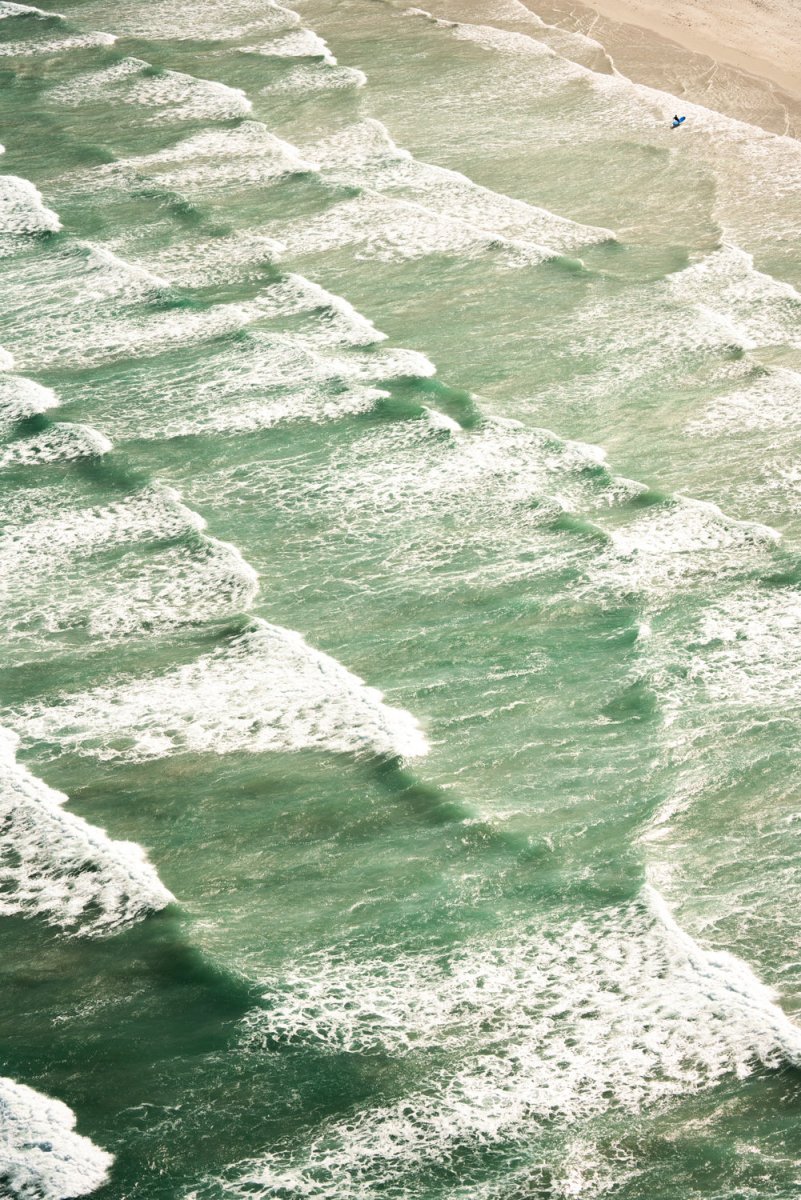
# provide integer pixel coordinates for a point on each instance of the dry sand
(760, 37)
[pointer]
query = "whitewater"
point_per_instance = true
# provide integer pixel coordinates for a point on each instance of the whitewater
(401, 607)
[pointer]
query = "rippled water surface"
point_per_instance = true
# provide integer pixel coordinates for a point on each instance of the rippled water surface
(400, 506)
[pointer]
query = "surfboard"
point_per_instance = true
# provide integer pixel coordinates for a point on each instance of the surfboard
(675, 124)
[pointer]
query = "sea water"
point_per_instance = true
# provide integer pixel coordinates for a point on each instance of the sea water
(401, 609)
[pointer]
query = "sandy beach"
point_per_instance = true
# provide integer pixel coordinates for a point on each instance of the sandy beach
(760, 37)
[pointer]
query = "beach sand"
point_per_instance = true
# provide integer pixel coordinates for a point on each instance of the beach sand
(742, 57)
(762, 37)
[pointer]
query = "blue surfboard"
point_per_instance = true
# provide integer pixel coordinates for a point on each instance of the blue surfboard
(675, 124)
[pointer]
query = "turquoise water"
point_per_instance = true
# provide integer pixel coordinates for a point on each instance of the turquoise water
(399, 432)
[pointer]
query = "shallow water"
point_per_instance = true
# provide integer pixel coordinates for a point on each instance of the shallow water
(401, 612)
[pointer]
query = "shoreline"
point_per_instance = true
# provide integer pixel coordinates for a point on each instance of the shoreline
(762, 42)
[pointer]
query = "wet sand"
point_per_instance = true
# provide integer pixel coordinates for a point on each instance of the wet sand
(760, 37)
(745, 62)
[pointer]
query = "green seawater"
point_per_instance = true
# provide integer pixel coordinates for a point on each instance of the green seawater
(399, 572)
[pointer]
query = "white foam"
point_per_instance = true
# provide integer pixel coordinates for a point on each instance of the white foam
(683, 332)
(196, 20)
(669, 544)
(298, 43)
(177, 96)
(530, 1028)
(147, 335)
(365, 155)
(338, 322)
(155, 585)
(317, 78)
(761, 310)
(745, 649)
(329, 368)
(214, 160)
(77, 276)
(495, 10)
(304, 404)
(22, 209)
(77, 41)
(60, 443)
(266, 690)
(41, 1155)
(155, 513)
(393, 230)
(56, 866)
(439, 420)
(772, 400)
(178, 586)
(204, 262)
(81, 304)
(424, 503)
(495, 483)
(553, 69)
(21, 398)
(7, 9)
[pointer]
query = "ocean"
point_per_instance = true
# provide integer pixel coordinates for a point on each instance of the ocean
(401, 609)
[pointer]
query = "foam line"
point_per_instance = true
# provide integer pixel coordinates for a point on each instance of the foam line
(365, 155)
(298, 43)
(205, 262)
(645, 339)
(194, 579)
(554, 67)
(498, 483)
(316, 78)
(41, 1155)
(668, 545)
(771, 400)
(56, 866)
(193, 20)
(22, 210)
(64, 442)
(759, 310)
(618, 1011)
(559, 46)
(176, 96)
(393, 230)
(7, 9)
(77, 41)
(266, 690)
(21, 398)
(213, 160)
(311, 404)
(741, 653)
(331, 366)
(338, 321)
(83, 305)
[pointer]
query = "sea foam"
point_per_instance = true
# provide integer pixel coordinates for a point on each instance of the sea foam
(41, 1155)
(21, 398)
(168, 572)
(266, 690)
(56, 866)
(173, 95)
(531, 1030)
(365, 155)
(22, 209)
